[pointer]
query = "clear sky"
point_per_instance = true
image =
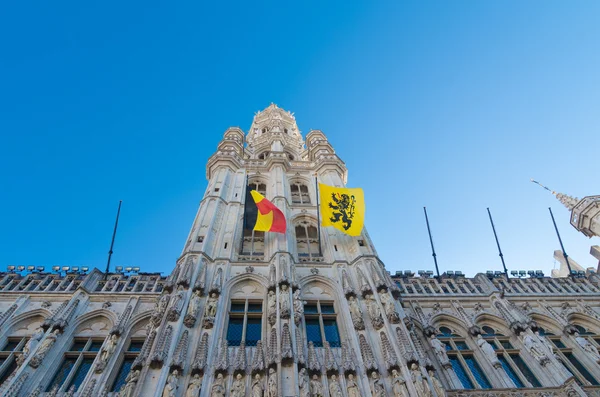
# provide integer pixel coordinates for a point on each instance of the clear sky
(450, 104)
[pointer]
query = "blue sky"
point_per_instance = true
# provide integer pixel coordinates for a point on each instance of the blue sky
(452, 105)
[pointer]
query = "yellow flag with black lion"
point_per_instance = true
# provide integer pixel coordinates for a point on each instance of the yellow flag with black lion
(342, 208)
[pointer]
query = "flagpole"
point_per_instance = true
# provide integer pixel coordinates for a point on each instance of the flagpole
(437, 270)
(498, 244)
(244, 216)
(112, 243)
(561, 244)
(318, 215)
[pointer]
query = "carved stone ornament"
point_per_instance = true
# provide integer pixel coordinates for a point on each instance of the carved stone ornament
(161, 350)
(240, 363)
(374, 312)
(159, 309)
(389, 355)
(298, 307)
(423, 357)
(348, 359)
(272, 277)
(140, 360)
(119, 327)
(352, 387)
(335, 390)
(377, 280)
(200, 283)
(314, 271)
(347, 285)
(48, 322)
(43, 349)
(201, 354)
(217, 281)
(258, 360)
(222, 364)
(192, 310)
(63, 318)
(587, 347)
(389, 307)
(419, 382)
(283, 276)
(364, 286)
(300, 347)
(249, 269)
(437, 385)
(89, 389)
(185, 275)
(367, 354)
(258, 386)
(313, 363)
(272, 355)
(193, 389)
(30, 345)
(331, 364)
(287, 352)
(180, 354)
(405, 347)
(47, 304)
(15, 388)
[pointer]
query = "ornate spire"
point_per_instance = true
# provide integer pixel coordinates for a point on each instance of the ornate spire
(258, 361)
(313, 359)
(568, 201)
(201, 354)
(240, 362)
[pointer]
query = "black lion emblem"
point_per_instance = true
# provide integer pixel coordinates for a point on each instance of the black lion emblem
(344, 210)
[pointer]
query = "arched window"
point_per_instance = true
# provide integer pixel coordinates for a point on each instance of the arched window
(259, 186)
(132, 350)
(307, 243)
(567, 356)
(253, 242)
(263, 155)
(245, 322)
(512, 363)
(463, 361)
(76, 363)
(300, 193)
(321, 323)
(8, 356)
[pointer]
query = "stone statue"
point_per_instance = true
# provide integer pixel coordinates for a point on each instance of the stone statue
(587, 346)
(419, 383)
(193, 389)
(284, 301)
(399, 385)
(177, 298)
(170, 389)
(272, 384)
(218, 387)
(374, 312)
(162, 303)
(43, 349)
(130, 383)
(488, 350)
(334, 387)
(31, 343)
(355, 313)
(439, 348)
(109, 348)
(304, 383)
(298, 305)
(388, 306)
(211, 306)
(437, 385)
(272, 307)
(258, 389)
(352, 387)
(534, 348)
(194, 305)
(545, 342)
(377, 389)
(238, 388)
(316, 387)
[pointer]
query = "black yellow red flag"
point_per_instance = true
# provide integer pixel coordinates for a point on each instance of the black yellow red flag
(269, 218)
(342, 208)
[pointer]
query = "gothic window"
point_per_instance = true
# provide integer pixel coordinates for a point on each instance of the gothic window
(512, 364)
(254, 241)
(76, 363)
(567, 357)
(263, 155)
(133, 350)
(300, 193)
(259, 186)
(307, 241)
(321, 323)
(463, 360)
(7, 356)
(245, 322)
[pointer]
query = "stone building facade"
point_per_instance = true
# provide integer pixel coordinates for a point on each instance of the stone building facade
(252, 314)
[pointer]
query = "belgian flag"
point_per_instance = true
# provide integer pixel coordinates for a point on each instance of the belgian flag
(262, 215)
